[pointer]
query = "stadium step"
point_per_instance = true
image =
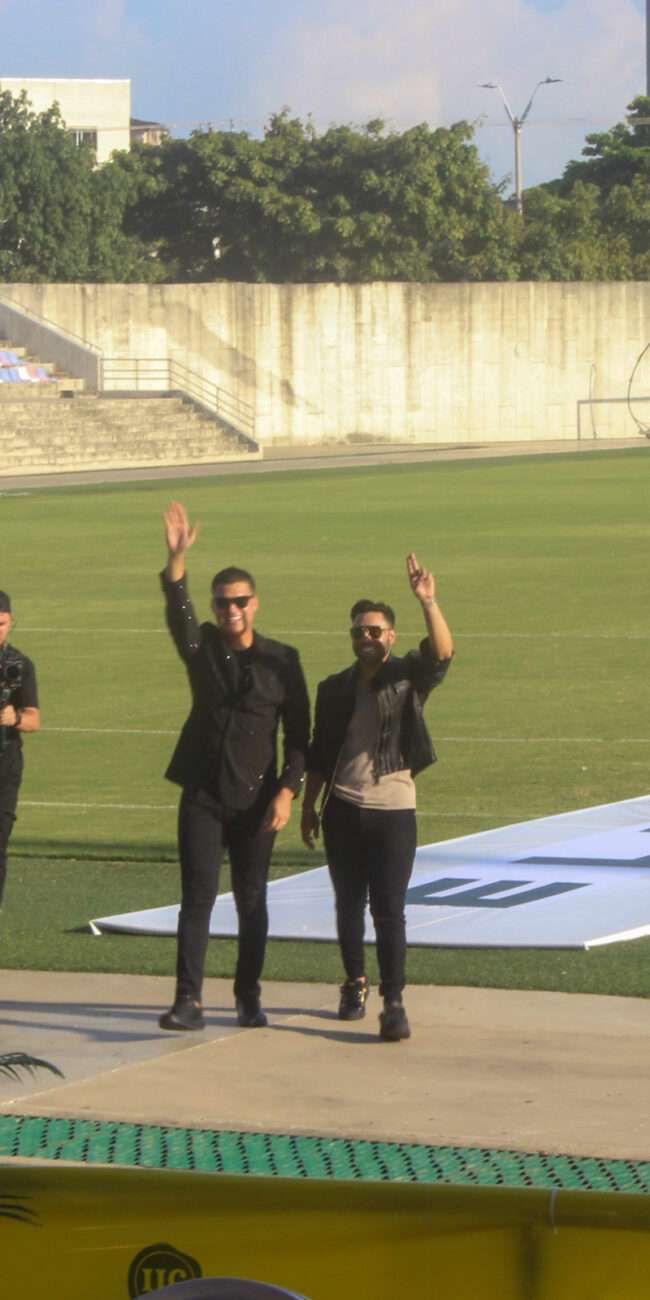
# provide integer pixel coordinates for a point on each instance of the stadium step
(50, 423)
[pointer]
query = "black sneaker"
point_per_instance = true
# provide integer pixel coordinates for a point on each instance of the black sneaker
(393, 1024)
(186, 1014)
(353, 999)
(249, 1012)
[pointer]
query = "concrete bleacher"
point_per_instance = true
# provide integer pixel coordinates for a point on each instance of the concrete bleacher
(71, 429)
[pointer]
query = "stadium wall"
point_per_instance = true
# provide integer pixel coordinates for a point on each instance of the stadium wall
(403, 362)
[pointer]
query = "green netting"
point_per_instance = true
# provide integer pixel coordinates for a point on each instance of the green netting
(223, 1151)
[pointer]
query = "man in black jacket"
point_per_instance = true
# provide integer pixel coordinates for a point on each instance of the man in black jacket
(243, 685)
(370, 740)
(19, 713)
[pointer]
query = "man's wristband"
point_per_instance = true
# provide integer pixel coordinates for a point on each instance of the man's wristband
(19, 718)
(428, 603)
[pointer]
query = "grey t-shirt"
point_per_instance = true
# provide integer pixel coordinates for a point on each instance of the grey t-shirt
(355, 780)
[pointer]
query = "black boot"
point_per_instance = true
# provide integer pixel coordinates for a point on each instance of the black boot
(393, 1024)
(249, 1011)
(186, 1014)
(353, 999)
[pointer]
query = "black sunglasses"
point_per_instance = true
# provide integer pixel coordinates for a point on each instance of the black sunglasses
(224, 602)
(372, 629)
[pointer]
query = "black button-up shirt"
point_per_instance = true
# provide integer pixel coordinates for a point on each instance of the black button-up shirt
(17, 687)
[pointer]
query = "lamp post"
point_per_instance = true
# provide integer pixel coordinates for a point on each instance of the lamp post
(517, 124)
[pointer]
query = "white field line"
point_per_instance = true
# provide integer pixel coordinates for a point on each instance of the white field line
(172, 807)
(447, 740)
(114, 632)
(120, 807)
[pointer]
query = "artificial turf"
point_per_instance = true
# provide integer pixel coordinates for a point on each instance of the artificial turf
(542, 573)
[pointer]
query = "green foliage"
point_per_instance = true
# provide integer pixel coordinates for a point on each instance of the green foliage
(61, 217)
(594, 223)
(12, 1064)
(614, 157)
(347, 205)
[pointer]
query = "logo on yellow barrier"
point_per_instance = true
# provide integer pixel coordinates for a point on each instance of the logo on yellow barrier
(158, 1266)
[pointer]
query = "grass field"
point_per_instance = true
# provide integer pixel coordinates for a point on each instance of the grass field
(542, 572)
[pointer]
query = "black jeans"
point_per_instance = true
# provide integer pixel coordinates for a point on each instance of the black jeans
(205, 830)
(11, 771)
(370, 854)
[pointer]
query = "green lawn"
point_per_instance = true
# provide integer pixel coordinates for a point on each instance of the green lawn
(542, 571)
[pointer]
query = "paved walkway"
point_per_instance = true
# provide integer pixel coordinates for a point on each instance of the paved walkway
(335, 456)
(547, 1072)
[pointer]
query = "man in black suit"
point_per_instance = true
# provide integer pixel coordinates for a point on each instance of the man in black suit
(243, 685)
(370, 741)
(19, 714)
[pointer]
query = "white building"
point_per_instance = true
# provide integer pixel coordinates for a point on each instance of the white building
(97, 111)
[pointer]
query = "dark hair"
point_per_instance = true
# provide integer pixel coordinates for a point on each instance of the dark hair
(232, 574)
(373, 607)
(5, 603)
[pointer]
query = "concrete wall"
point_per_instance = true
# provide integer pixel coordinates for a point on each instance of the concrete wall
(97, 105)
(48, 342)
(424, 363)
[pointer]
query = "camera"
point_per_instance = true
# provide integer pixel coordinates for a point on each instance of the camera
(11, 676)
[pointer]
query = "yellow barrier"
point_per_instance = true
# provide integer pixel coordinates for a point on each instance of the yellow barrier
(88, 1233)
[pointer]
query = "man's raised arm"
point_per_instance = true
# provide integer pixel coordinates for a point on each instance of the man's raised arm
(423, 586)
(179, 535)
(181, 619)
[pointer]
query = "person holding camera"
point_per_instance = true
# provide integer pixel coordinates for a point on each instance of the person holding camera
(370, 740)
(244, 686)
(19, 713)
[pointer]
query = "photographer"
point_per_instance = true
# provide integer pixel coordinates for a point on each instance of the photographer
(18, 713)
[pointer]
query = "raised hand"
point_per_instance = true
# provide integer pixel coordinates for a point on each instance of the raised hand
(179, 533)
(423, 583)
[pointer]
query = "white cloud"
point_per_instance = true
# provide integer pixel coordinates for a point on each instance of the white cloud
(422, 61)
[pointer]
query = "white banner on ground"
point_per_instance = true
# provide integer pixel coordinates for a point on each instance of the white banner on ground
(571, 881)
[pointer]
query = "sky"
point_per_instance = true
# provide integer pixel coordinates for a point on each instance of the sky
(237, 61)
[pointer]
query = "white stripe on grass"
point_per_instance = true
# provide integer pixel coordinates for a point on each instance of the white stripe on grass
(447, 740)
(114, 632)
(172, 807)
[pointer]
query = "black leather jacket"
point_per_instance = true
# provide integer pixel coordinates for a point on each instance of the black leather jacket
(403, 740)
(228, 743)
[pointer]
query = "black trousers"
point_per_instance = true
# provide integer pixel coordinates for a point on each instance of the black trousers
(370, 854)
(205, 830)
(11, 771)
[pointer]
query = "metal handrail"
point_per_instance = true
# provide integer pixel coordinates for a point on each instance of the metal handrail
(165, 374)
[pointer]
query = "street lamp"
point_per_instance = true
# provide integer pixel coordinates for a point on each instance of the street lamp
(517, 123)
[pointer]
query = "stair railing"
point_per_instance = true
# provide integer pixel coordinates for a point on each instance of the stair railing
(151, 374)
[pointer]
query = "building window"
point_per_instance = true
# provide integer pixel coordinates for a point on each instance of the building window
(84, 137)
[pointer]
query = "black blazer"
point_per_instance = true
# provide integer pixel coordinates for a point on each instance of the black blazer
(228, 743)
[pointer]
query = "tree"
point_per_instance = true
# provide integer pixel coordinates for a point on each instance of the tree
(346, 205)
(594, 223)
(60, 217)
(613, 157)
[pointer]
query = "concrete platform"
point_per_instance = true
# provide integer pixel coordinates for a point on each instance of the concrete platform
(548, 1072)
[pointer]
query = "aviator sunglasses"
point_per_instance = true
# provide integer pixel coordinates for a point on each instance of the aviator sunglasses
(224, 602)
(373, 630)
